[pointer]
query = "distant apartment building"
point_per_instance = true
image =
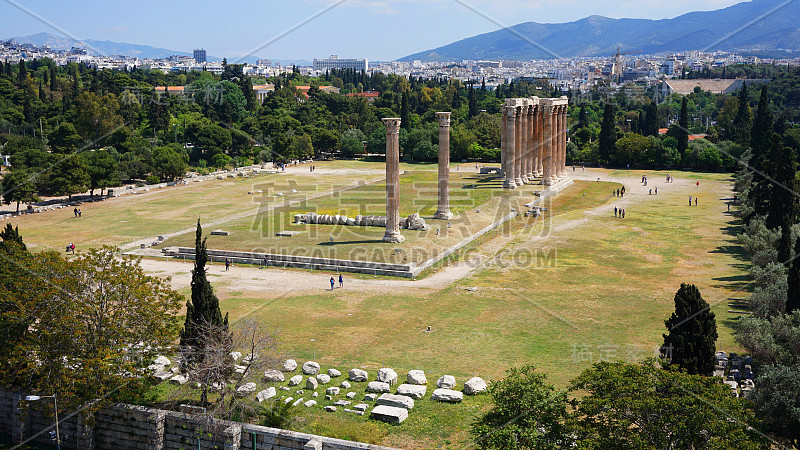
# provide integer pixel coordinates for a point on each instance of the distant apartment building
(199, 55)
(334, 62)
(369, 96)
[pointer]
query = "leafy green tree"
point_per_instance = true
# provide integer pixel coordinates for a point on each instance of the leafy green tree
(18, 187)
(691, 342)
(352, 143)
(65, 139)
(644, 406)
(170, 162)
(99, 319)
(771, 340)
(69, 176)
(777, 403)
(527, 413)
(103, 170)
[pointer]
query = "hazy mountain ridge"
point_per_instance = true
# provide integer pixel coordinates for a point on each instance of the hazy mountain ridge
(733, 29)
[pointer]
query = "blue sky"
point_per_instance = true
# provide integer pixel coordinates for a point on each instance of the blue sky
(376, 29)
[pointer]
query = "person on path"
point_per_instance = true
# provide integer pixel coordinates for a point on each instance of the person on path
(615, 211)
(695, 201)
(341, 281)
(333, 284)
(80, 213)
(656, 190)
(698, 185)
(729, 206)
(650, 192)
(690, 200)
(227, 264)
(75, 211)
(623, 213)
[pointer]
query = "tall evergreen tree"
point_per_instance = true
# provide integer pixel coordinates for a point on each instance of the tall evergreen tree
(10, 236)
(608, 134)
(203, 308)
(404, 120)
(683, 127)
(743, 121)
(473, 104)
(761, 134)
(793, 281)
(692, 332)
(651, 120)
(23, 72)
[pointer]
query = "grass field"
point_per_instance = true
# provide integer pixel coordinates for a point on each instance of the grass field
(562, 292)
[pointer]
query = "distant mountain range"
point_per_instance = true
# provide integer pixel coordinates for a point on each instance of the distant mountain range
(109, 48)
(755, 27)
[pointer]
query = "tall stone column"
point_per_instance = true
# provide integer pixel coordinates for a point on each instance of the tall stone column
(548, 177)
(509, 121)
(443, 212)
(392, 181)
(518, 146)
(539, 141)
(535, 145)
(562, 140)
(530, 159)
(523, 160)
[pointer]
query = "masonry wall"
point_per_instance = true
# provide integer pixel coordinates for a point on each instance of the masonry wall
(124, 426)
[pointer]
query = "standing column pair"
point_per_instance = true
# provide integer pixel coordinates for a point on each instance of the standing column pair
(507, 146)
(392, 234)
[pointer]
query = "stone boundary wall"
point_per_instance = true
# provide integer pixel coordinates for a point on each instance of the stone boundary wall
(123, 426)
(300, 262)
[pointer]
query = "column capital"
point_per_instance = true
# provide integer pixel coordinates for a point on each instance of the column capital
(392, 125)
(443, 118)
(511, 111)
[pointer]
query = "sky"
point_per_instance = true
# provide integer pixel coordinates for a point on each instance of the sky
(380, 30)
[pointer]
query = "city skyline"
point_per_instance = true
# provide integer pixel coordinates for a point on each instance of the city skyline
(376, 30)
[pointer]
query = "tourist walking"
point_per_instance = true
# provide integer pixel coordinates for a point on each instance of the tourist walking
(341, 281)
(656, 190)
(690, 200)
(333, 284)
(75, 211)
(623, 213)
(615, 211)
(80, 213)
(227, 264)
(695, 201)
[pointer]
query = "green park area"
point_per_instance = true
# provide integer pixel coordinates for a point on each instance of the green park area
(562, 291)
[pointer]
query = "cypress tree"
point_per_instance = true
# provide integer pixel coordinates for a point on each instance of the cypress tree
(683, 127)
(203, 308)
(404, 112)
(761, 135)
(473, 104)
(608, 134)
(793, 280)
(743, 121)
(10, 236)
(692, 332)
(783, 202)
(23, 72)
(651, 120)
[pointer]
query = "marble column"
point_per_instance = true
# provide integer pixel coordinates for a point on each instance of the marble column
(548, 176)
(523, 160)
(530, 159)
(518, 146)
(392, 181)
(562, 140)
(443, 212)
(537, 145)
(509, 126)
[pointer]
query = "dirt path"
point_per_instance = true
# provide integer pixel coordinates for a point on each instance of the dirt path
(277, 282)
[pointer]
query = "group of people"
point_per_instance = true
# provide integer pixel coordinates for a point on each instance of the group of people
(619, 212)
(618, 192)
(312, 168)
(341, 282)
(695, 202)
(71, 248)
(77, 212)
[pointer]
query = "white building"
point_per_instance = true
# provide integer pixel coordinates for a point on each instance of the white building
(321, 65)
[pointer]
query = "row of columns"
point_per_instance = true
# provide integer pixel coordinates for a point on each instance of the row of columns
(533, 141)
